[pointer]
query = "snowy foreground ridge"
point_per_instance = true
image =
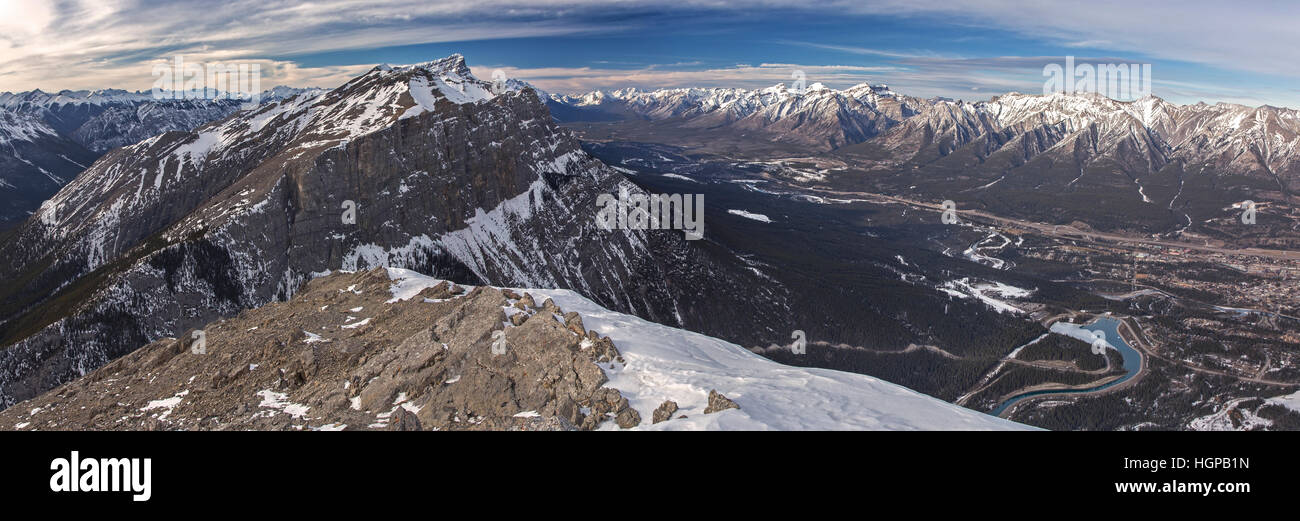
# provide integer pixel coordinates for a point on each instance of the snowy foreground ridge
(666, 363)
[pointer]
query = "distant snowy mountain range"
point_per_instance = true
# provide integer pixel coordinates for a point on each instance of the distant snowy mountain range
(1144, 166)
(46, 139)
(817, 116)
(1148, 133)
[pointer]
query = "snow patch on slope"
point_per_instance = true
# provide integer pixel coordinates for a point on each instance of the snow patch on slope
(665, 363)
(16, 127)
(750, 215)
(985, 291)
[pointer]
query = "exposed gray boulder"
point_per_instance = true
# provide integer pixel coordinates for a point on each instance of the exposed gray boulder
(718, 402)
(664, 412)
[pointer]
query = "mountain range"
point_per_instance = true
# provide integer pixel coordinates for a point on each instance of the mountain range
(222, 210)
(46, 139)
(1149, 133)
(1156, 167)
(817, 117)
(440, 173)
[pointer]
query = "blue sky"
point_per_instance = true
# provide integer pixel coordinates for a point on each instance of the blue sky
(1199, 51)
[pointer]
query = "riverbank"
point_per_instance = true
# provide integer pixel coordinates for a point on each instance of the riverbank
(1115, 327)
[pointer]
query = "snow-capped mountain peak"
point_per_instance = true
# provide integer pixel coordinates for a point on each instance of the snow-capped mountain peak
(304, 124)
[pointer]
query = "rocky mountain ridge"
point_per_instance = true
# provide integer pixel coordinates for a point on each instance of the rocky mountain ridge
(1144, 135)
(817, 116)
(437, 172)
(394, 350)
(77, 127)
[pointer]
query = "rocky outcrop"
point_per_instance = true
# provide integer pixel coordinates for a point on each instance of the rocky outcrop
(718, 403)
(664, 412)
(346, 354)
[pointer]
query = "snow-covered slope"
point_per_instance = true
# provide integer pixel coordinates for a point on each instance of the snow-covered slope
(35, 160)
(393, 349)
(19, 127)
(667, 363)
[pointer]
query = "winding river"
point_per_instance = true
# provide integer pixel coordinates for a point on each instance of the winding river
(1132, 364)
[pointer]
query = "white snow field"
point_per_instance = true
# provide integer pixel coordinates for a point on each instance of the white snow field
(666, 363)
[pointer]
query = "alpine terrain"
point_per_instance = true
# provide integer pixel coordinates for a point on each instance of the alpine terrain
(422, 167)
(393, 349)
(50, 138)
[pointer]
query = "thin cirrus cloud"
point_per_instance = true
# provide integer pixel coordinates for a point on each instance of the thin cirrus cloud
(1258, 37)
(90, 44)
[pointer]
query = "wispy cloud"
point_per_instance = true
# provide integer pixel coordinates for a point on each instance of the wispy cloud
(1256, 37)
(92, 44)
(859, 50)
